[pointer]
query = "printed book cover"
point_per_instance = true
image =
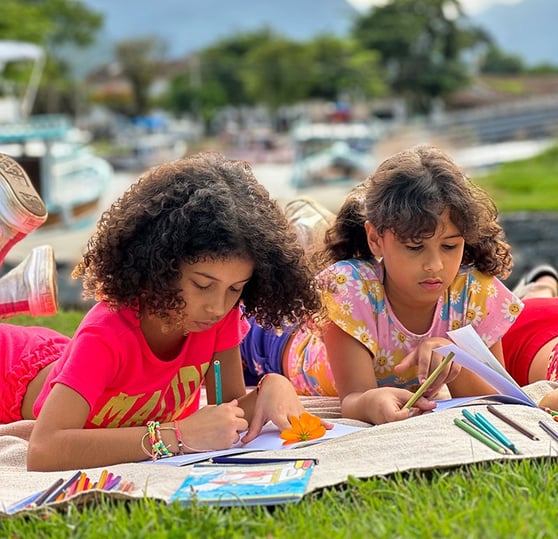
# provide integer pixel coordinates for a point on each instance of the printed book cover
(266, 483)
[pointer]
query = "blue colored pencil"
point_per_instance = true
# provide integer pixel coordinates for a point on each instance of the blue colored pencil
(218, 387)
(26, 502)
(498, 434)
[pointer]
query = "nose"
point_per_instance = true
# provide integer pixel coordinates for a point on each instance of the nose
(216, 307)
(433, 263)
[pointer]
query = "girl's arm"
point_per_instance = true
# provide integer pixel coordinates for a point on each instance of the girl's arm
(59, 441)
(353, 370)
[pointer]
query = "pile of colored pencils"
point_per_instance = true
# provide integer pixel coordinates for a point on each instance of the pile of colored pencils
(63, 489)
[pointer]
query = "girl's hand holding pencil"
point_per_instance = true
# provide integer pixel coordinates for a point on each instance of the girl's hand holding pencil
(428, 362)
(386, 404)
(213, 428)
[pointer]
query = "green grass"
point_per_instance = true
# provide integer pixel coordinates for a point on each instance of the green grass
(489, 500)
(527, 185)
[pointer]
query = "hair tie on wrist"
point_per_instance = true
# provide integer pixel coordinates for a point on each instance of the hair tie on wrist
(260, 383)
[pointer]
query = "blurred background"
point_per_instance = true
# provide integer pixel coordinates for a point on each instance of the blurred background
(313, 93)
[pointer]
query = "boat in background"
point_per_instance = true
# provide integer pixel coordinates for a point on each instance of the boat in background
(70, 178)
(326, 153)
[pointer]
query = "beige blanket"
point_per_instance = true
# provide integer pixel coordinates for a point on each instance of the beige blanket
(423, 442)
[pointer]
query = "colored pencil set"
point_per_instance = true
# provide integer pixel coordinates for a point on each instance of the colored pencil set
(64, 489)
(481, 428)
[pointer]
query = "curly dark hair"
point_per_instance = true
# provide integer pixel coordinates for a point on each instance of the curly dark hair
(406, 194)
(203, 207)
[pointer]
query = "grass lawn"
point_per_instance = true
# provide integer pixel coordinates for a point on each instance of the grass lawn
(490, 500)
(528, 185)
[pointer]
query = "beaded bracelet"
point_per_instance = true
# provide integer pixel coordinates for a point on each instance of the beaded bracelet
(158, 447)
(260, 383)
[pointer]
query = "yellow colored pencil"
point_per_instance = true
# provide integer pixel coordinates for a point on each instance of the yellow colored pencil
(102, 479)
(428, 382)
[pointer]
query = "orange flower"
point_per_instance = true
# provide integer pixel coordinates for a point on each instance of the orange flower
(304, 428)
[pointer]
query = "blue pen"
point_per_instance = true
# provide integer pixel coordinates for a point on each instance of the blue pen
(496, 432)
(218, 389)
(247, 460)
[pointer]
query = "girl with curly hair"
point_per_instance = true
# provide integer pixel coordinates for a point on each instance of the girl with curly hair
(170, 264)
(415, 251)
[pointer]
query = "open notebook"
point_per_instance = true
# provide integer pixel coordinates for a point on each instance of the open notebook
(471, 353)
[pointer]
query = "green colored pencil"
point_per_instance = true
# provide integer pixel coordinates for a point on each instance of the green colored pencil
(428, 382)
(479, 436)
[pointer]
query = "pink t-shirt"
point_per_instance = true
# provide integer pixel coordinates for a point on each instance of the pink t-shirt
(109, 363)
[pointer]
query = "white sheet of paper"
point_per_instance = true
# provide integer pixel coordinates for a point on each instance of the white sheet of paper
(483, 365)
(268, 440)
(469, 340)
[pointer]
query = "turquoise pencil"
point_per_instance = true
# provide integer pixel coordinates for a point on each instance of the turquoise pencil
(218, 388)
(479, 436)
(500, 436)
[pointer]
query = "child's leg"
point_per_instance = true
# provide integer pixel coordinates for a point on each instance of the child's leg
(31, 287)
(24, 354)
(21, 207)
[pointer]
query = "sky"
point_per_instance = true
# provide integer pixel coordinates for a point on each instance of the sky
(469, 6)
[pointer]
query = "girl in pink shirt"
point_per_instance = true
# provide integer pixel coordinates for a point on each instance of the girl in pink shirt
(169, 264)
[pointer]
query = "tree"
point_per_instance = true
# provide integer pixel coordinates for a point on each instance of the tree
(51, 24)
(342, 67)
(421, 44)
(277, 73)
(140, 60)
(497, 62)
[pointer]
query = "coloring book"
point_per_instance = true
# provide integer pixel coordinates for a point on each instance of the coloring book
(265, 483)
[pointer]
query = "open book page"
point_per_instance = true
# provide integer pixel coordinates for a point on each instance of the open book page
(469, 340)
(269, 439)
(471, 353)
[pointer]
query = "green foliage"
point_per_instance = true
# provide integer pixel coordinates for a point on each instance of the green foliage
(49, 22)
(498, 62)
(421, 47)
(276, 73)
(140, 59)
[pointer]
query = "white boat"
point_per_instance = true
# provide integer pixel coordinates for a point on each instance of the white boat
(70, 178)
(328, 153)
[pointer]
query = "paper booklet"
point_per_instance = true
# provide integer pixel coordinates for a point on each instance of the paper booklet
(265, 483)
(268, 439)
(471, 353)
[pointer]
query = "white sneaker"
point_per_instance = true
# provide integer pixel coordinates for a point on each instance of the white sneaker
(31, 287)
(21, 208)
